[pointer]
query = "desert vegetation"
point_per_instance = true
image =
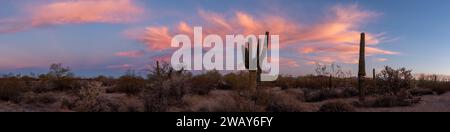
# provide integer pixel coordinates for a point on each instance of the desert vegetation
(164, 89)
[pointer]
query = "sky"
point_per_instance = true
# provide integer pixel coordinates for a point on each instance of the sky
(107, 37)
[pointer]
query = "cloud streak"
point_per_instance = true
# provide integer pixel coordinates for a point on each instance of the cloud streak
(130, 54)
(333, 38)
(73, 12)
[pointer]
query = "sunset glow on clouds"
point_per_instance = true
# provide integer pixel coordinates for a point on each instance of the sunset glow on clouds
(333, 39)
(131, 34)
(73, 12)
(130, 54)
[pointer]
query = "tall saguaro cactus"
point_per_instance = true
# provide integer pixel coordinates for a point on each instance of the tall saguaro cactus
(374, 77)
(362, 67)
(255, 75)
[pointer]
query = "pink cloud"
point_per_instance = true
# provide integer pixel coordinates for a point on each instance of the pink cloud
(334, 38)
(382, 59)
(122, 66)
(74, 12)
(130, 54)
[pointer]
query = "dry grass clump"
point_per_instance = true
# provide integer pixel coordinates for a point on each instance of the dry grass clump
(220, 101)
(389, 101)
(337, 106)
(130, 84)
(40, 98)
(321, 95)
(11, 89)
(420, 91)
(202, 84)
(236, 81)
(286, 103)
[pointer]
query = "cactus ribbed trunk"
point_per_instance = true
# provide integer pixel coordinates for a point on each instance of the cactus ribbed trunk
(255, 75)
(374, 78)
(158, 71)
(362, 68)
(330, 81)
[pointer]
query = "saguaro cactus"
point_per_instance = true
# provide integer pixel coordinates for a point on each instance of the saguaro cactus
(362, 67)
(255, 74)
(374, 78)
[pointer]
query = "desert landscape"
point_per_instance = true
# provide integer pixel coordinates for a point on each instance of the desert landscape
(213, 56)
(166, 90)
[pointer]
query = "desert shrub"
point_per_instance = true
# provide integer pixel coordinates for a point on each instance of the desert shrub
(237, 81)
(392, 81)
(299, 94)
(321, 95)
(202, 84)
(87, 97)
(390, 101)
(439, 90)
(261, 97)
(349, 92)
(166, 87)
(106, 81)
(59, 78)
(436, 83)
(90, 100)
(337, 106)
(42, 98)
(285, 103)
(130, 83)
(285, 82)
(11, 89)
(232, 103)
(420, 91)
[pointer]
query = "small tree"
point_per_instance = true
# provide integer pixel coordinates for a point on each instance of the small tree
(59, 71)
(59, 78)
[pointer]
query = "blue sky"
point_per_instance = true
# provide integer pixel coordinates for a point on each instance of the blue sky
(406, 33)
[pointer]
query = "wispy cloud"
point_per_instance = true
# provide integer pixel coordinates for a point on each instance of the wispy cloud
(130, 54)
(73, 12)
(333, 38)
(121, 67)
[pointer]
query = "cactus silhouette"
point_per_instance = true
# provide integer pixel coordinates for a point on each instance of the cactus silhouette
(374, 78)
(255, 71)
(330, 81)
(362, 67)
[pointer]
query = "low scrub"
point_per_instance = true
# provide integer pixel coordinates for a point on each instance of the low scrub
(337, 106)
(321, 95)
(11, 89)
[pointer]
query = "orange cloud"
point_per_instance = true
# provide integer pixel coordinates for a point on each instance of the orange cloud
(75, 12)
(130, 54)
(334, 38)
